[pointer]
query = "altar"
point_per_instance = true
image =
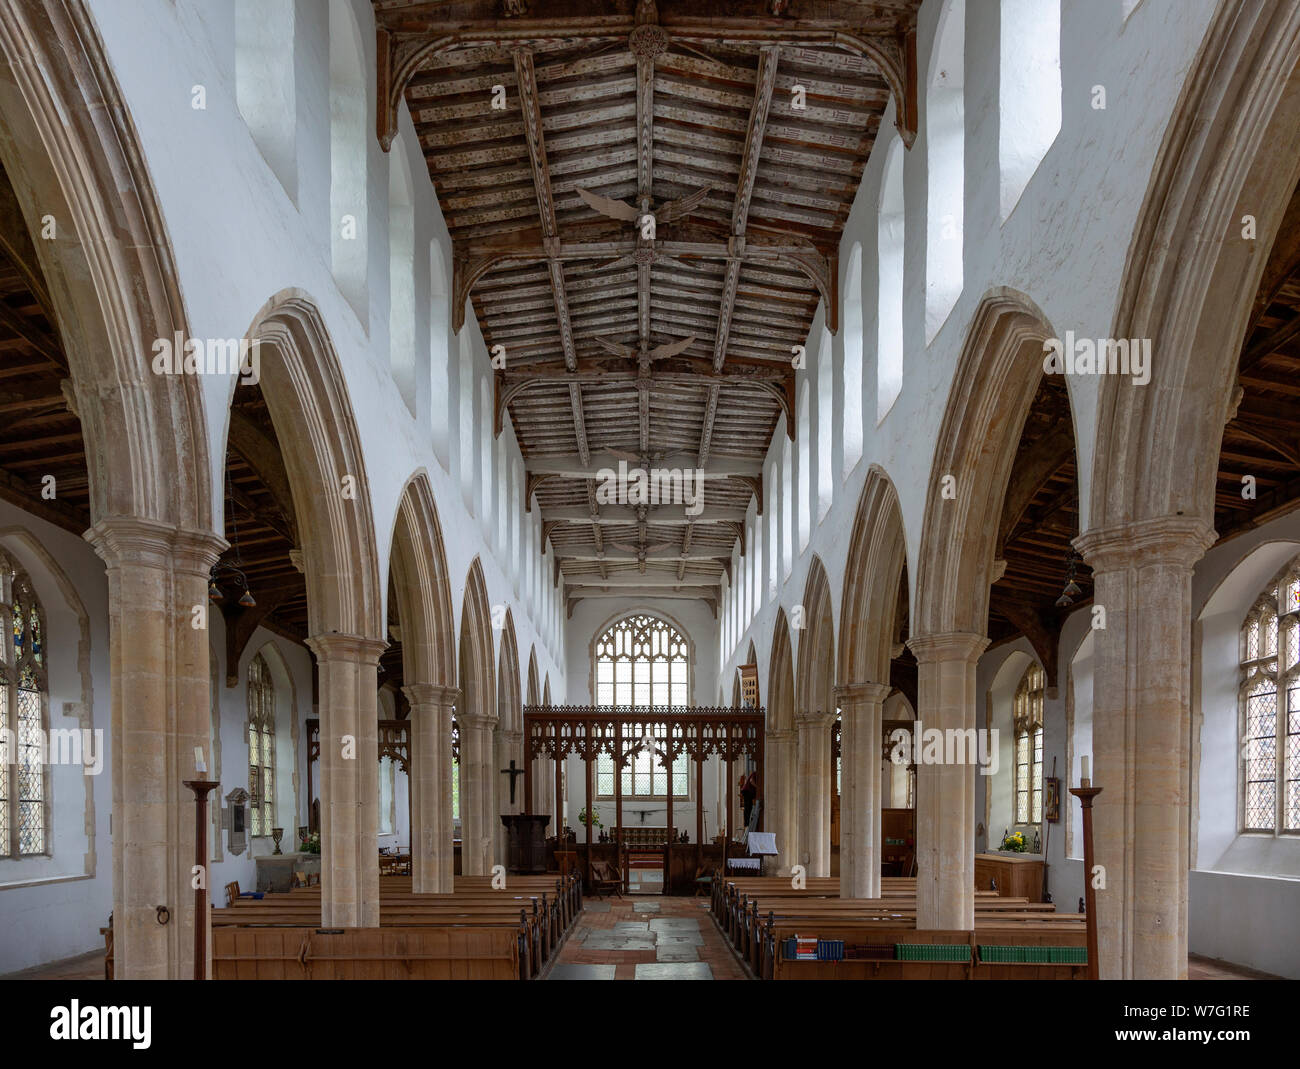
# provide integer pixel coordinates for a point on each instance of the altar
(275, 871)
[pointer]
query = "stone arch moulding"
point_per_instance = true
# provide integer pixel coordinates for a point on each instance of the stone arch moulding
(302, 382)
(997, 376)
(477, 658)
(868, 608)
(423, 588)
(780, 678)
(814, 677)
(640, 610)
(509, 707)
(113, 282)
(1190, 276)
(533, 694)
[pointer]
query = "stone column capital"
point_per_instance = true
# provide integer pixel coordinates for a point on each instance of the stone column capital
(850, 694)
(814, 720)
(513, 738)
(120, 540)
(952, 646)
(335, 646)
(1171, 540)
(431, 694)
(780, 736)
(474, 720)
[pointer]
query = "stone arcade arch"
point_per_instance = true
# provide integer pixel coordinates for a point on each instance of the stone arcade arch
(477, 719)
(996, 379)
(779, 790)
(868, 632)
(302, 383)
(508, 738)
(420, 580)
(814, 716)
(69, 148)
(1189, 283)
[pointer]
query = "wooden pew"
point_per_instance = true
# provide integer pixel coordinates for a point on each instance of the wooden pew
(536, 911)
(365, 954)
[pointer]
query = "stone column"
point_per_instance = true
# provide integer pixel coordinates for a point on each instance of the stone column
(432, 861)
(945, 791)
(860, 727)
(348, 670)
(1141, 716)
(160, 711)
(814, 790)
(780, 760)
(476, 793)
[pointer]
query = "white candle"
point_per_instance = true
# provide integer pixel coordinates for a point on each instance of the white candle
(1083, 765)
(199, 764)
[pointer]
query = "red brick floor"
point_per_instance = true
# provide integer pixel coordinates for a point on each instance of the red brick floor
(714, 951)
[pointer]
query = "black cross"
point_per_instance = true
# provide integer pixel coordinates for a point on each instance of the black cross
(513, 773)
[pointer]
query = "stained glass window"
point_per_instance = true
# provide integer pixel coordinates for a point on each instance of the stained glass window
(1270, 707)
(24, 777)
(1028, 722)
(642, 660)
(261, 747)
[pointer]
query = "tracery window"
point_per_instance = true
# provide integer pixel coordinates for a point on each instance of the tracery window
(261, 747)
(642, 660)
(1270, 708)
(24, 701)
(1028, 721)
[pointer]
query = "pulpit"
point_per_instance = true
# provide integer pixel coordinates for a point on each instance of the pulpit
(526, 839)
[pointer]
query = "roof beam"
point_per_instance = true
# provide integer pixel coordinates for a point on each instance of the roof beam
(627, 556)
(659, 515)
(598, 465)
(409, 37)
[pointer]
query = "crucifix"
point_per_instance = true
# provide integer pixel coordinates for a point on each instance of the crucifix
(513, 773)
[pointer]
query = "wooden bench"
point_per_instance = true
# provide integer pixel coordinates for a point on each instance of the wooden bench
(304, 953)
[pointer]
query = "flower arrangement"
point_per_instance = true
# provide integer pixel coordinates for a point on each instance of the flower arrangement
(1015, 841)
(311, 843)
(593, 820)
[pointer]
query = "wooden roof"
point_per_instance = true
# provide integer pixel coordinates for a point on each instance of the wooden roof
(743, 134)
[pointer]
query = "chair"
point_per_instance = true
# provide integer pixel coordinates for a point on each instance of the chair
(232, 892)
(606, 877)
(703, 880)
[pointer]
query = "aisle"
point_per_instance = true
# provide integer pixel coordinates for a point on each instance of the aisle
(640, 938)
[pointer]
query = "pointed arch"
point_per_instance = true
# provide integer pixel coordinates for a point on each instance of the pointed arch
(423, 588)
(815, 678)
(997, 376)
(780, 678)
(71, 152)
(533, 694)
(305, 391)
(777, 784)
(477, 670)
(546, 690)
(1191, 274)
(868, 609)
(510, 712)
(476, 718)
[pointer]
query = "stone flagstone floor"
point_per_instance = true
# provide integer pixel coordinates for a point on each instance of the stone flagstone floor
(645, 938)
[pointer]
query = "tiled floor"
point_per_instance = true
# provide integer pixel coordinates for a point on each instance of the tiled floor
(645, 938)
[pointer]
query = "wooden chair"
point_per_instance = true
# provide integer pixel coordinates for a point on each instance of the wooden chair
(606, 877)
(232, 892)
(703, 881)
